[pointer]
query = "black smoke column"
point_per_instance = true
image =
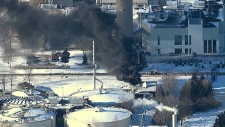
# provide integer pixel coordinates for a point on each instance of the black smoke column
(85, 24)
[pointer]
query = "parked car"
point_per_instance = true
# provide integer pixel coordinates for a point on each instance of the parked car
(172, 54)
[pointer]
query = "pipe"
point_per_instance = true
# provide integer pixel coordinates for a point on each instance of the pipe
(100, 89)
(174, 120)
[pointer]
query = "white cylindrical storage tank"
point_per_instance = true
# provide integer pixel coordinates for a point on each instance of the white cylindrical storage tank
(124, 13)
(99, 117)
(28, 117)
(107, 98)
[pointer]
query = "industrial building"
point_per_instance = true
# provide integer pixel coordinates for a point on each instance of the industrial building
(174, 32)
(173, 28)
(195, 38)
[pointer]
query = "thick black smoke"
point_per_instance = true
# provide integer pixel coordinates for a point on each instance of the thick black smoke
(86, 22)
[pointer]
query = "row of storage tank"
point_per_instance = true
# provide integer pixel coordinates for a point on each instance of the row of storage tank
(108, 108)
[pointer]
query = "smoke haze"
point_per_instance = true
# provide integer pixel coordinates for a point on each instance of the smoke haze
(84, 24)
(155, 104)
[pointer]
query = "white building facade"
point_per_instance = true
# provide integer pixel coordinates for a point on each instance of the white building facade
(164, 39)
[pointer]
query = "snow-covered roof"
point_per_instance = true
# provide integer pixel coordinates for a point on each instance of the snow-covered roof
(48, 6)
(102, 114)
(149, 89)
(107, 97)
(19, 94)
(20, 115)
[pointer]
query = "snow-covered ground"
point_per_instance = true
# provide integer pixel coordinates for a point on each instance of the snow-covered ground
(66, 85)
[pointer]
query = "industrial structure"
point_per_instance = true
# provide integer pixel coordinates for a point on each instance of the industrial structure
(179, 27)
(182, 29)
(124, 13)
(27, 117)
(24, 110)
(99, 117)
(182, 40)
(107, 98)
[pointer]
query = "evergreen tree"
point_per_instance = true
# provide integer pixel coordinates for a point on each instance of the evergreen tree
(196, 95)
(160, 94)
(85, 60)
(220, 120)
(65, 56)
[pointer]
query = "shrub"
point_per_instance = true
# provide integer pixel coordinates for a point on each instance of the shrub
(162, 117)
(194, 54)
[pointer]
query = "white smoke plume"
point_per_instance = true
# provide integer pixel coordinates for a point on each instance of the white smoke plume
(155, 104)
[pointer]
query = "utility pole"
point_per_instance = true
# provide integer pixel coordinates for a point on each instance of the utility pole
(94, 66)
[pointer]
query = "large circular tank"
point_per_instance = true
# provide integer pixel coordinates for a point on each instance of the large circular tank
(124, 13)
(107, 98)
(19, 99)
(63, 105)
(27, 117)
(98, 117)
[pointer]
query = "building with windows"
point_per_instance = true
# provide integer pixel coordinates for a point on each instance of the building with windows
(136, 3)
(164, 39)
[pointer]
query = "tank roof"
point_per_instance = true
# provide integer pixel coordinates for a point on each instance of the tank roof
(22, 115)
(19, 94)
(102, 114)
(107, 97)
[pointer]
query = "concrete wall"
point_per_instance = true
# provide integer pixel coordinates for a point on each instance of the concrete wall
(166, 38)
(222, 36)
(195, 31)
(116, 123)
(167, 33)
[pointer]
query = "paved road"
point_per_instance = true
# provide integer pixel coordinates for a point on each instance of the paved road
(102, 74)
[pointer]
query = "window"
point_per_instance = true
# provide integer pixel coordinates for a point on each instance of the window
(158, 40)
(189, 51)
(158, 51)
(178, 51)
(214, 46)
(189, 39)
(186, 51)
(205, 46)
(186, 39)
(178, 40)
(210, 46)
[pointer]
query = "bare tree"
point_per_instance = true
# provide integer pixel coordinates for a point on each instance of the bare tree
(162, 117)
(12, 77)
(7, 35)
(3, 79)
(29, 72)
(169, 84)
